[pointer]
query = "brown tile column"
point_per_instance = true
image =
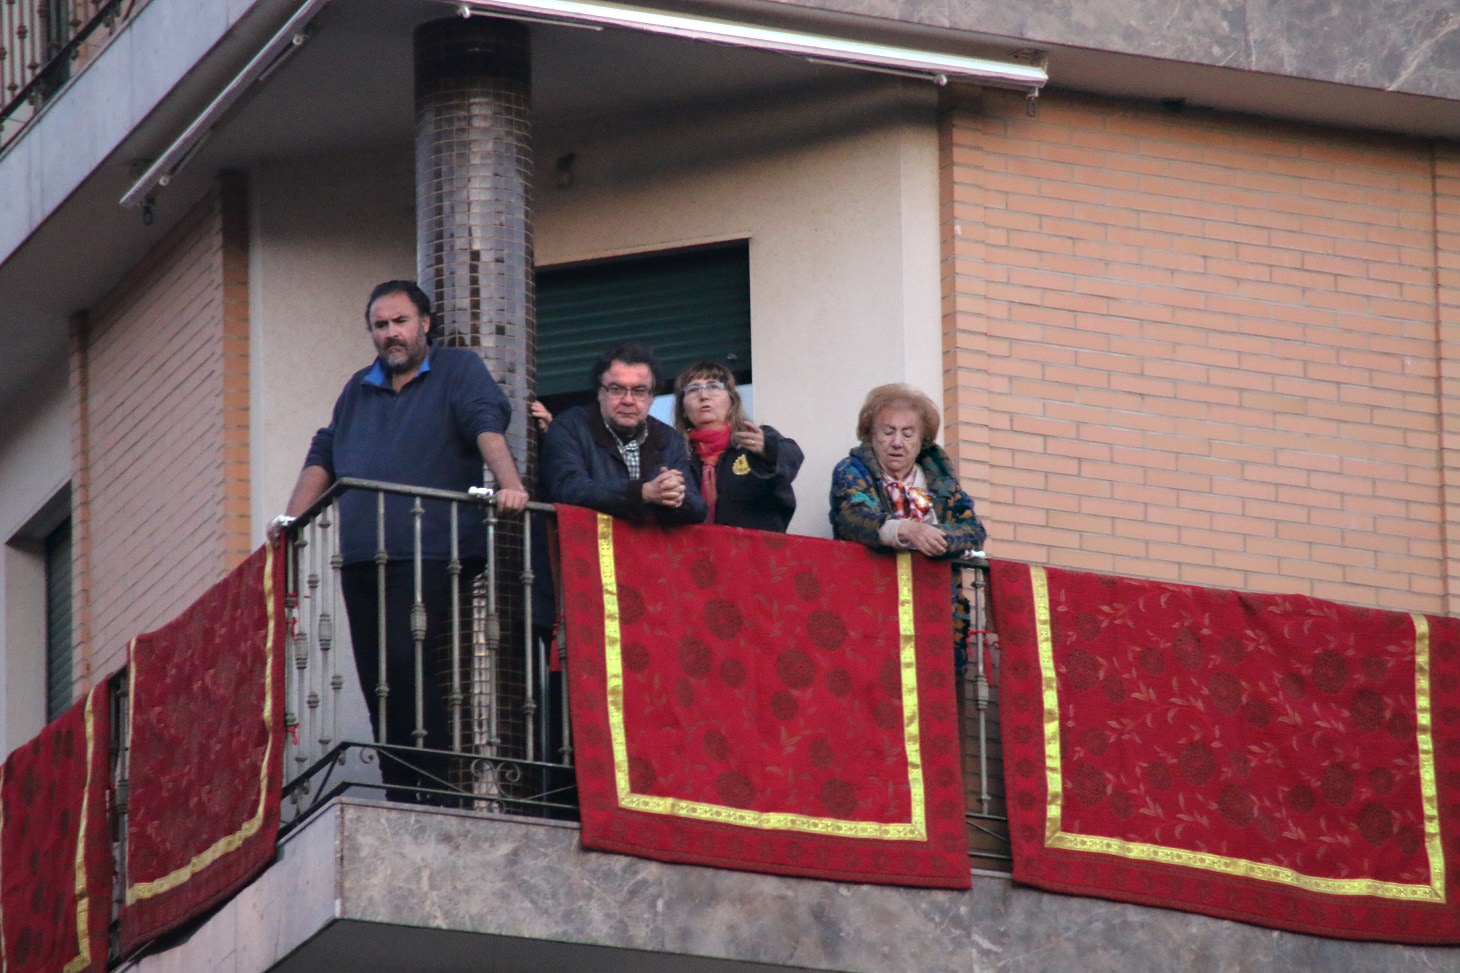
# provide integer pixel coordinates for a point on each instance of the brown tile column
(474, 258)
(473, 191)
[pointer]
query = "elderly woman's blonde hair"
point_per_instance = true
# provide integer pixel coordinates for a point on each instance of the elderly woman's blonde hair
(898, 396)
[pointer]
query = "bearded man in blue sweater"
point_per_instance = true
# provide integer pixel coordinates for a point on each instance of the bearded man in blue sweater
(419, 415)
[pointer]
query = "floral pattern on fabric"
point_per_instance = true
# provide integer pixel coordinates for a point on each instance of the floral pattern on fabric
(207, 693)
(1277, 759)
(771, 716)
(55, 796)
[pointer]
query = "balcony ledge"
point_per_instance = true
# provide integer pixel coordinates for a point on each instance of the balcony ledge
(368, 886)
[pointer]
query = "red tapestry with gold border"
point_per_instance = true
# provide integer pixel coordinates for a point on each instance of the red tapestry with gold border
(206, 716)
(762, 702)
(1276, 759)
(55, 844)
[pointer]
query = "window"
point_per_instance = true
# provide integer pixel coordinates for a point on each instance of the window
(38, 631)
(687, 305)
(59, 682)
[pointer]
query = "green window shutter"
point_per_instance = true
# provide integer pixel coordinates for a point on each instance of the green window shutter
(685, 304)
(59, 686)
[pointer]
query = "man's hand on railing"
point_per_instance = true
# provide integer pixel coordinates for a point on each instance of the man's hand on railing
(511, 500)
(277, 525)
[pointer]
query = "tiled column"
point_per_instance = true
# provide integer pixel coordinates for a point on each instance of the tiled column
(474, 258)
(473, 190)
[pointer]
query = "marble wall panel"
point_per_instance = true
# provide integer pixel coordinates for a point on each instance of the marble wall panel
(1412, 47)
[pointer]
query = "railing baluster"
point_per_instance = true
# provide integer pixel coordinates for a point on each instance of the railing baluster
(493, 634)
(299, 642)
(337, 561)
(453, 573)
(289, 549)
(382, 687)
(418, 625)
(310, 675)
(327, 679)
(977, 624)
(529, 679)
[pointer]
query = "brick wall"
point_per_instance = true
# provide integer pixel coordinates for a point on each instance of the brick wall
(1203, 348)
(1447, 279)
(160, 408)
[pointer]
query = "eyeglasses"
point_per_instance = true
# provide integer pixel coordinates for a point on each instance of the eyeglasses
(704, 387)
(617, 391)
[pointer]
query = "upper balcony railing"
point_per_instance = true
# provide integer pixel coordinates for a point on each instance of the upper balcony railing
(42, 44)
(510, 748)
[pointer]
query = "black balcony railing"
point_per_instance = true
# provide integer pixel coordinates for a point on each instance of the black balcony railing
(510, 746)
(42, 44)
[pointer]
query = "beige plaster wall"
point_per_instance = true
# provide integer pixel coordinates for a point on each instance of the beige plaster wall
(325, 231)
(838, 196)
(35, 465)
(836, 192)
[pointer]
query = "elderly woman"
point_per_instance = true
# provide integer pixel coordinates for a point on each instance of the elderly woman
(745, 470)
(896, 490)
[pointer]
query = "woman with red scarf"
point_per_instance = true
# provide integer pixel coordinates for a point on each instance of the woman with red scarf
(745, 470)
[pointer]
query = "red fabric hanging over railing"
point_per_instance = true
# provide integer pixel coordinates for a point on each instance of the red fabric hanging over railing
(763, 702)
(55, 844)
(1275, 759)
(206, 716)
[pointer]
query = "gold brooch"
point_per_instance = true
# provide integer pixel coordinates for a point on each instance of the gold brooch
(742, 465)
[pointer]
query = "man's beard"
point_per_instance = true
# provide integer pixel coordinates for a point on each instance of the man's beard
(397, 357)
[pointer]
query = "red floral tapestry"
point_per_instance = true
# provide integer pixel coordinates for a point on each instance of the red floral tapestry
(206, 716)
(1275, 759)
(762, 702)
(55, 844)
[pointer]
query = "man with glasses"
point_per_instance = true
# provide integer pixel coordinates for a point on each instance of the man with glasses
(613, 456)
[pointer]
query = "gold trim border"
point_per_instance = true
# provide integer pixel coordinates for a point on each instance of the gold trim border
(915, 829)
(232, 842)
(1057, 838)
(82, 959)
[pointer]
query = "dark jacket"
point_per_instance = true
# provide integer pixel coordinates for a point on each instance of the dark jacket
(755, 491)
(581, 465)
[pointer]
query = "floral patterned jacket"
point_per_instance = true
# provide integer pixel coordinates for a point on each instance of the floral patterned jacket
(859, 503)
(860, 506)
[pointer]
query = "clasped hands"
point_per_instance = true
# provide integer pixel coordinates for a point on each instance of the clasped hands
(666, 489)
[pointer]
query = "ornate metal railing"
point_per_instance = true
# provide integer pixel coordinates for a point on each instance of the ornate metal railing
(983, 752)
(42, 44)
(510, 749)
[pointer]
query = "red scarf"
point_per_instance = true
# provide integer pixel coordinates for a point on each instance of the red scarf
(710, 445)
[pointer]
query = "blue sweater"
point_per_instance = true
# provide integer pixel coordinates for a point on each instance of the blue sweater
(423, 435)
